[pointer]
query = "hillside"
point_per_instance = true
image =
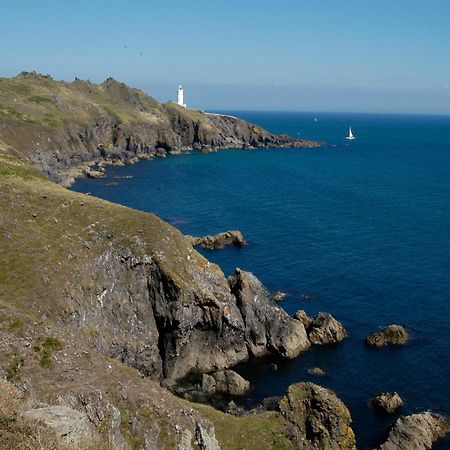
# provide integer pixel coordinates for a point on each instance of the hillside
(62, 127)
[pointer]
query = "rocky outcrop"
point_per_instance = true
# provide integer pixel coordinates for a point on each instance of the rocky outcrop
(205, 436)
(392, 334)
(320, 419)
(387, 402)
(72, 427)
(232, 237)
(321, 329)
(225, 382)
(267, 327)
(416, 432)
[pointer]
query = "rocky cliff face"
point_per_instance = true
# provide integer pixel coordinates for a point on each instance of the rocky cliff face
(99, 302)
(64, 128)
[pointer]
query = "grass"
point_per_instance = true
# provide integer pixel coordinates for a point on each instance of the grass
(13, 372)
(46, 349)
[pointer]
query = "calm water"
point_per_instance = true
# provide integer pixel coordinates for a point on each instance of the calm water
(364, 227)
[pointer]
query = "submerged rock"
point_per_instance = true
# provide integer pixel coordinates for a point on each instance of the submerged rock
(232, 237)
(225, 382)
(392, 334)
(416, 432)
(319, 417)
(322, 329)
(388, 402)
(317, 371)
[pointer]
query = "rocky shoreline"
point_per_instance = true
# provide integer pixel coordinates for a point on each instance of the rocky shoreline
(108, 310)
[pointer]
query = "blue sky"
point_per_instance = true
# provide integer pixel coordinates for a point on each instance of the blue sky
(314, 55)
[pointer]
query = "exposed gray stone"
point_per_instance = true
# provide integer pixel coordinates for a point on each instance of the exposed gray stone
(71, 427)
(416, 432)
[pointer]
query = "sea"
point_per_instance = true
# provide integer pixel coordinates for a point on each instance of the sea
(360, 229)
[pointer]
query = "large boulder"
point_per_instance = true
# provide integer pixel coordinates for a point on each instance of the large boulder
(387, 402)
(231, 237)
(72, 427)
(320, 418)
(322, 329)
(225, 382)
(416, 432)
(267, 326)
(392, 334)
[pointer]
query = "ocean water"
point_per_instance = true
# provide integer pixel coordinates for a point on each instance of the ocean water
(362, 227)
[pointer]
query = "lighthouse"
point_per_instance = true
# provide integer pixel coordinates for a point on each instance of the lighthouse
(180, 96)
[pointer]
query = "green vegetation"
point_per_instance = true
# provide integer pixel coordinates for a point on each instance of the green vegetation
(40, 99)
(13, 370)
(46, 348)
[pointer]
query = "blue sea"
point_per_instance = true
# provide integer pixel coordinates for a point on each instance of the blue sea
(362, 228)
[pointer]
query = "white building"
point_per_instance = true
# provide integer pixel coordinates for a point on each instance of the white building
(180, 96)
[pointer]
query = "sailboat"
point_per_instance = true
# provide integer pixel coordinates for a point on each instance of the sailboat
(350, 136)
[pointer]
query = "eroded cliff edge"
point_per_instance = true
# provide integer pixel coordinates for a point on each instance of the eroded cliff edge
(63, 127)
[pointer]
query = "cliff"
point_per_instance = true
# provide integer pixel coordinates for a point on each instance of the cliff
(64, 127)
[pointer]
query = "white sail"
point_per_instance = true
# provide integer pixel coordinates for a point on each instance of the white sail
(350, 134)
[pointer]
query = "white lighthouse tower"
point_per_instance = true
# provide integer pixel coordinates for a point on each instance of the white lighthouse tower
(180, 96)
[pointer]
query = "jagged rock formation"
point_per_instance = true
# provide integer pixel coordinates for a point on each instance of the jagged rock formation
(232, 237)
(267, 327)
(416, 432)
(320, 419)
(392, 334)
(321, 329)
(388, 402)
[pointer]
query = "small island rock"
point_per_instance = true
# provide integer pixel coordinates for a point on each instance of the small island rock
(231, 237)
(416, 432)
(392, 334)
(388, 402)
(322, 329)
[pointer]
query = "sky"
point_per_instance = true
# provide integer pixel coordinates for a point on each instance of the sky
(292, 55)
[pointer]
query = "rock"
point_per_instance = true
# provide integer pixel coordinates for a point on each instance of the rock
(322, 329)
(99, 412)
(205, 435)
(416, 432)
(185, 442)
(232, 237)
(95, 174)
(388, 402)
(318, 416)
(278, 296)
(72, 427)
(225, 382)
(303, 317)
(267, 326)
(317, 371)
(392, 334)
